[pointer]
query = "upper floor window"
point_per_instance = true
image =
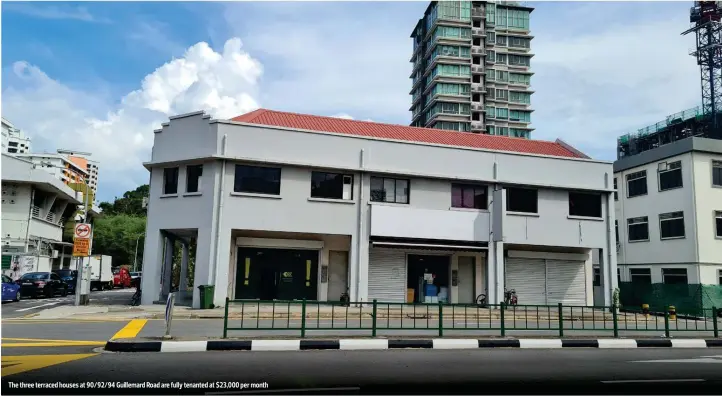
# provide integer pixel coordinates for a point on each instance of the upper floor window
(468, 196)
(257, 179)
(585, 204)
(387, 189)
(616, 193)
(170, 181)
(718, 223)
(637, 184)
(671, 225)
(331, 185)
(597, 277)
(674, 276)
(638, 229)
(670, 175)
(522, 200)
(193, 178)
(717, 173)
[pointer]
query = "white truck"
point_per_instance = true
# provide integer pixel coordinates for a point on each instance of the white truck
(101, 272)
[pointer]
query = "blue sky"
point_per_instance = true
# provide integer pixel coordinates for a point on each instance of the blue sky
(100, 77)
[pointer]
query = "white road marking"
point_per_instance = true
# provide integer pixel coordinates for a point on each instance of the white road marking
(184, 346)
(689, 343)
(539, 343)
(35, 307)
(441, 343)
(692, 360)
(352, 344)
(275, 345)
(620, 343)
(652, 381)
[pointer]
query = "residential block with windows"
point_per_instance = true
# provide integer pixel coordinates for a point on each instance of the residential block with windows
(291, 206)
(471, 68)
(14, 140)
(669, 213)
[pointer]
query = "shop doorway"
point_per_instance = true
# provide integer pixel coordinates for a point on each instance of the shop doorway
(428, 277)
(276, 274)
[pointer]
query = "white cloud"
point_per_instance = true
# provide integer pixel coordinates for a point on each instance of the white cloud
(54, 12)
(54, 115)
(343, 115)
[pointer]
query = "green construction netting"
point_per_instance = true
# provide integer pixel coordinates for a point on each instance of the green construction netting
(693, 300)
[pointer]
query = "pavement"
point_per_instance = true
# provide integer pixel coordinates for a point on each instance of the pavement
(408, 371)
(28, 307)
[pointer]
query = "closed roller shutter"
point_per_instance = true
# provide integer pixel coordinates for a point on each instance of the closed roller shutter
(387, 275)
(527, 277)
(566, 282)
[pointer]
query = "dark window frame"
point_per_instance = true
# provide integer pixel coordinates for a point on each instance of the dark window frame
(194, 175)
(170, 180)
(716, 173)
(670, 169)
(511, 191)
(718, 223)
(670, 272)
(383, 180)
(597, 277)
(637, 221)
(591, 210)
(643, 273)
(633, 177)
(482, 204)
(616, 191)
(254, 173)
(316, 190)
(669, 217)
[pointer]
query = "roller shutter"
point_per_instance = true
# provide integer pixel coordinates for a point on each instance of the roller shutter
(527, 277)
(566, 282)
(387, 275)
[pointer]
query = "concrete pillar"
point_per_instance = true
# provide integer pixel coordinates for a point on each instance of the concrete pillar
(480, 275)
(152, 266)
(167, 267)
(453, 289)
(183, 284)
(222, 281)
(204, 256)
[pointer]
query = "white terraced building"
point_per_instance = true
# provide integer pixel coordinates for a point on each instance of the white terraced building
(292, 206)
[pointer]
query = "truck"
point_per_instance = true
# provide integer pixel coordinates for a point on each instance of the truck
(101, 272)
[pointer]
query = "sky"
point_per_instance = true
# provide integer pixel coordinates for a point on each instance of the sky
(100, 77)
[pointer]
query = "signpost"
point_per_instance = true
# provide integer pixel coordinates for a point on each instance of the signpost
(169, 313)
(81, 248)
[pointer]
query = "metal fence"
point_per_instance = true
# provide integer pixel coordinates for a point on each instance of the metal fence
(374, 317)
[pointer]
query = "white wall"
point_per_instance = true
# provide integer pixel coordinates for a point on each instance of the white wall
(652, 205)
(709, 274)
(708, 199)
(15, 216)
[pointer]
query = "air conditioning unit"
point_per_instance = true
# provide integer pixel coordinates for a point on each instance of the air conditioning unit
(347, 186)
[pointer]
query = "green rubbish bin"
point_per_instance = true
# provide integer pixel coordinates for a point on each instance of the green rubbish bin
(206, 296)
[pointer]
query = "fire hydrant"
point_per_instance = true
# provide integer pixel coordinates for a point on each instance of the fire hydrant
(672, 313)
(645, 310)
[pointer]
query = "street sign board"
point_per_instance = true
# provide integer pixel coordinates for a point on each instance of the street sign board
(82, 231)
(81, 247)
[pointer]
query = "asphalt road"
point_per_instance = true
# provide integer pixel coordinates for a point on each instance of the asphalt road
(27, 306)
(579, 371)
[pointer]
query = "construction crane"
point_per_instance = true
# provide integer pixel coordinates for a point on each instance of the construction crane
(705, 17)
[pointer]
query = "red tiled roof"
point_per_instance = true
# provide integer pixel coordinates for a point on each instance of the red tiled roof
(400, 132)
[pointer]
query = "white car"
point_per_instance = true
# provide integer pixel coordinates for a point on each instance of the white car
(136, 275)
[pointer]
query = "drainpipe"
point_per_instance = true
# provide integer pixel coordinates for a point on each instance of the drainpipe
(360, 230)
(30, 218)
(218, 217)
(611, 251)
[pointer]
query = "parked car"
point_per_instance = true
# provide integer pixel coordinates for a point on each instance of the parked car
(11, 290)
(137, 274)
(121, 278)
(70, 277)
(46, 284)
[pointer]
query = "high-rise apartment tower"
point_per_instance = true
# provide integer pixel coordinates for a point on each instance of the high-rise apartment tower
(472, 68)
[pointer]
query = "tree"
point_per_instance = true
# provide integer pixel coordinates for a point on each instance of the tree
(131, 203)
(116, 236)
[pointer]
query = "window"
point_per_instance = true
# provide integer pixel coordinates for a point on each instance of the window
(193, 178)
(616, 232)
(671, 225)
(385, 189)
(468, 196)
(521, 116)
(585, 204)
(619, 276)
(501, 41)
(257, 180)
(502, 113)
(717, 173)
(670, 175)
(597, 277)
(638, 229)
(674, 276)
(170, 181)
(331, 185)
(519, 42)
(501, 58)
(641, 276)
(502, 94)
(522, 200)
(501, 75)
(520, 97)
(518, 60)
(616, 194)
(718, 223)
(637, 184)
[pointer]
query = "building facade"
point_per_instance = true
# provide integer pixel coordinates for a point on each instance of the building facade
(35, 207)
(13, 139)
(669, 211)
(472, 68)
(290, 206)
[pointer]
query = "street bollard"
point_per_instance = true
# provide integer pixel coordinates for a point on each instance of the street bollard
(645, 310)
(303, 318)
(672, 312)
(373, 320)
(561, 321)
(441, 319)
(225, 319)
(715, 326)
(615, 322)
(666, 324)
(501, 317)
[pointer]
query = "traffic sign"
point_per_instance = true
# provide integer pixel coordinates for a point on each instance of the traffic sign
(81, 247)
(82, 231)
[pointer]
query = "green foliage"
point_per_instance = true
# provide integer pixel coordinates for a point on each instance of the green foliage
(116, 236)
(131, 203)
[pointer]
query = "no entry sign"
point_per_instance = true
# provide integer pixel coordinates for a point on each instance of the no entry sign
(82, 231)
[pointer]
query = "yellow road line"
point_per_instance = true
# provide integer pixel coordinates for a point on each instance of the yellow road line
(130, 330)
(52, 344)
(18, 364)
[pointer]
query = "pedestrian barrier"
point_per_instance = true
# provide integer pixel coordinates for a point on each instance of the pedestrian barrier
(372, 318)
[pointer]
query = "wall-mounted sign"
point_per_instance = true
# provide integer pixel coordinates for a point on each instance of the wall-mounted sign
(287, 277)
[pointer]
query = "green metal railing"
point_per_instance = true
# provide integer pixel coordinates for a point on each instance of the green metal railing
(372, 317)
